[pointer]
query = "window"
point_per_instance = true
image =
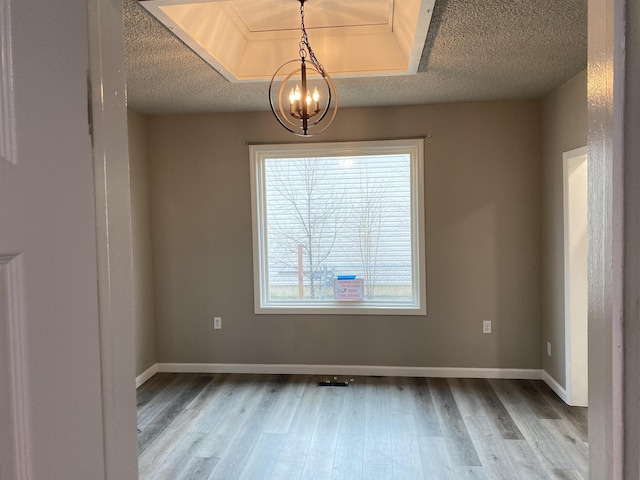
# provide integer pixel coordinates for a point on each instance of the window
(339, 227)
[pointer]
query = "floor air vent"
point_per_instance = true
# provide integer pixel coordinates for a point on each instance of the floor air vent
(334, 382)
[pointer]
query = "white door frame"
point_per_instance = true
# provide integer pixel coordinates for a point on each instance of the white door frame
(14, 433)
(114, 237)
(574, 164)
(606, 43)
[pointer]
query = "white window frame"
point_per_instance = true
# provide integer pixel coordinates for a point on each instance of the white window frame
(258, 154)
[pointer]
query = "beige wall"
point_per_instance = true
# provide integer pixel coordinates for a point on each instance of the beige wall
(145, 331)
(564, 120)
(483, 242)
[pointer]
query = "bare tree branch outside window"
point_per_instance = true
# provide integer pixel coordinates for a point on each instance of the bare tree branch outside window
(334, 215)
(311, 213)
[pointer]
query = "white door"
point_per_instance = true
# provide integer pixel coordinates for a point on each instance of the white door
(50, 375)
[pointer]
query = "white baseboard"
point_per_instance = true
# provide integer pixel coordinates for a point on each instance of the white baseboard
(365, 370)
(555, 386)
(146, 375)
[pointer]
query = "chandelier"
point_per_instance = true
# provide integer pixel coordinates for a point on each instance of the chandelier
(307, 101)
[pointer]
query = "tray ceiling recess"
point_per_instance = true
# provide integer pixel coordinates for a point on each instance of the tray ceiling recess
(247, 40)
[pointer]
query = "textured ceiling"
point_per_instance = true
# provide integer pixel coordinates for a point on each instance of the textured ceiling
(476, 50)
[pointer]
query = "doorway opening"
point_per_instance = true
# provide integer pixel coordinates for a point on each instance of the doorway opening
(575, 275)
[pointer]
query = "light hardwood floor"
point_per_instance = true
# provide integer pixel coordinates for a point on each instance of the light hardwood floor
(285, 427)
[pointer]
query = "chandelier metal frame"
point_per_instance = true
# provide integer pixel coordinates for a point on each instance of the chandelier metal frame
(304, 116)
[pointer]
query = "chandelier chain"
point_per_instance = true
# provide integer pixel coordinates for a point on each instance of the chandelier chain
(305, 46)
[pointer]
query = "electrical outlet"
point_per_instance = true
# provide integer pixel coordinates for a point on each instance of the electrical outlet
(486, 326)
(217, 323)
(549, 348)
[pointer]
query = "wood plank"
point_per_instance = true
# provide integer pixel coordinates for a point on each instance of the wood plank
(492, 407)
(470, 473)
(224, 424)
(402, 425)
(435, 459)
(354, 410)
(491, 450)
(233, 401)
(576, 451)
(468, 402)
(577, 416)
(213, 389)
(405, 453)
(287, 471)
(550, 453)
(378, 472)
(264, 455)
(155, 398)
(333, 399)
(322, 451)
(176, 405)
(377, 430)
(198, 468)
(235, 456)
(174, 463)
(399, 392)
(298, 439)
(284, 409)
(152, 456)
(459, 445)
(535, 400)
(525, 460)
(567, 475)
(274, 387)
(277, 427)
(153, 387)
(349, 459)
(424, 410)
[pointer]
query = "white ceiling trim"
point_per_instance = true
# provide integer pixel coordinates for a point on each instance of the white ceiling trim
(350, 42)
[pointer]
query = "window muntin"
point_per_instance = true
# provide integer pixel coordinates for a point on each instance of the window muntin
(324, 213)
